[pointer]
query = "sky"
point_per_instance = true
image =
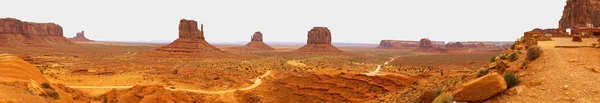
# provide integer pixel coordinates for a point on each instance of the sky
(350, 21)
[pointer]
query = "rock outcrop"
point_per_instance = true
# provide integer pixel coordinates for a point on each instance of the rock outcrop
(480, 89)
(319, 40)
(191, 40)
(425, 43)
(454, 45)
(14, 32)
(80, 37)
(16, 68)
(256, 43)
(581, 13)
(396, 44)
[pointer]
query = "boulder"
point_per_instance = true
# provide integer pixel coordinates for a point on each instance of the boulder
(80, 37)
(14, 32)
(480, 89)
(319, 40)
(577, 38)
(191, 40)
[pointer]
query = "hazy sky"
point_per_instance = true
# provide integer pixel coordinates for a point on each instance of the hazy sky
(358, 21)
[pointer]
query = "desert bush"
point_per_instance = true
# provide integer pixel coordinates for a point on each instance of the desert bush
(513, 57)
(53, 94)
(444, 98)
(511, 79)
(493, 59)
(524, 64)
(437, 91)
(46, 85)
(482, 71)
(503, 57)
(534, 52)
(512, 47)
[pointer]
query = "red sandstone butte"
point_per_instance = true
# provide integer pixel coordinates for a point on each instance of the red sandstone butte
(581, 13)
(80, 37)
(319, 40)
(396, 44)
(256, 43)
(14, 32)
(191, 40)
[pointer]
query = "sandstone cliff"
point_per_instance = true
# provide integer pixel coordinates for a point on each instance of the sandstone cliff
(256, 43)
(80, 37)
(14, 32)
(319, 40)
(392, 44)
(581, 13)
(191, 40)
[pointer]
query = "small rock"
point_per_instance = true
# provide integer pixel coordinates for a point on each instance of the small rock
(565, 87)
(35, 88)
(515, 90)
(572, 60)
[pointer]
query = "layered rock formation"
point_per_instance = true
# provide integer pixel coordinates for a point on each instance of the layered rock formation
(16, 68)
(581, 13)
(14, 32)
(80, 37)
(319, 40)
(454, 45)
(256, 43)
(191, 40)
(425, 43)
(392, 44)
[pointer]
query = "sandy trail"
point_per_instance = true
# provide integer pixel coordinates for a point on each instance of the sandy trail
(257, 82)
(376, 71)
(560, 75)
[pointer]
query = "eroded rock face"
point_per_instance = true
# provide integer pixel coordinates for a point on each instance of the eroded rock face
(80, 37)
(14, 32)
(391, 44)
(191, 40)
(16, 68)
(425, 43)
(480, 89)
(256, 43)
(581, 13)
(454, 45)
(319, 40)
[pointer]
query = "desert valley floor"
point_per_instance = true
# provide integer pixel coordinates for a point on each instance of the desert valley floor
(248, 76)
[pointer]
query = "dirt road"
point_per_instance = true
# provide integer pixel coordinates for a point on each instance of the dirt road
(560, 75)
(257, 82)
(376, 71)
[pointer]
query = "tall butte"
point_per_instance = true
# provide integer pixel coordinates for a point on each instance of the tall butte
(14, 32)
(256, 43)
(319, 40)
(80, 37)
(191, 40)
(581, 13)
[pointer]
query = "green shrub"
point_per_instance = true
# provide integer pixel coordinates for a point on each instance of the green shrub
(444, 98)
(513, 57)
(524, 64)
(493, 59)
(512, 47)
(482, 71)
(53, 94)
(437, 91)
(511, 79)
(534, 52)
(46, 85)
(503, 57)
